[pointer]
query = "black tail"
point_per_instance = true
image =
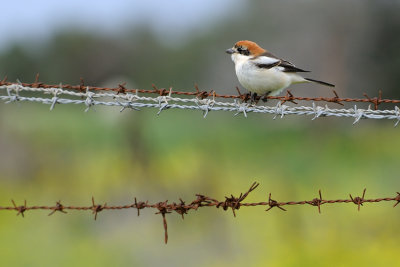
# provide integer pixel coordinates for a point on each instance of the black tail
(320, 82)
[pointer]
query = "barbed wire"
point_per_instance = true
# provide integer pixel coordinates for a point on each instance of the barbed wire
(204, 101)
(12, 93)
(231, 202)
(289, 97)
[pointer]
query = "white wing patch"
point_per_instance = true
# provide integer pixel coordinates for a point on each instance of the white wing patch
(265, 60)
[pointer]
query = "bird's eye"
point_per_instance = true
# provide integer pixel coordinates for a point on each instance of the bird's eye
(243, 50)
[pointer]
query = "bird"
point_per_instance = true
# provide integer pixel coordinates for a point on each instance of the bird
(263, 73)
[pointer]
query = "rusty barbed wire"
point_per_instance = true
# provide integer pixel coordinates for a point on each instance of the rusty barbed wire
(289, 97)
(234, 203)
(56, 95)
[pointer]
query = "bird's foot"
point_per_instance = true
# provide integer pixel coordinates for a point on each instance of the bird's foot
(246, 97)
(254, 99)
(264, 96)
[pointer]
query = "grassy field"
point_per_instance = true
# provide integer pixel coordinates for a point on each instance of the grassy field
(70, 155)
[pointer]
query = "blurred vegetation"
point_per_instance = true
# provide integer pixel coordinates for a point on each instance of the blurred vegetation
(71, 156)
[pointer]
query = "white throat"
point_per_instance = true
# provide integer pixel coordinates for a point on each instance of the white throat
(239, 58)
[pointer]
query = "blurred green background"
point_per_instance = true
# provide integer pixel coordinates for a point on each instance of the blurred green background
(70, 155)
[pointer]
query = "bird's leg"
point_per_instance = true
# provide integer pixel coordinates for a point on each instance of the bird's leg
(246, 97)
(264, 97)
(253, 98)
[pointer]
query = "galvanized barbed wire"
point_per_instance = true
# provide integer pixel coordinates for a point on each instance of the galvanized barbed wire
(234, 203)
(11, 93)
(289, 97)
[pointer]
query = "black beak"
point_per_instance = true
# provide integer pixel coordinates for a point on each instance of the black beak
(230, 51)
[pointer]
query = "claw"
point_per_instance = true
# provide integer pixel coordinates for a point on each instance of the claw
(246, 97)
(253, 98)
(264, 97)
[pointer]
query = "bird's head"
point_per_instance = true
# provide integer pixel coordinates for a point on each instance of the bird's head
(244, 50)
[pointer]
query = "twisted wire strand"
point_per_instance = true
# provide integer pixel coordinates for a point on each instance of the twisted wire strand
(12, 93)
